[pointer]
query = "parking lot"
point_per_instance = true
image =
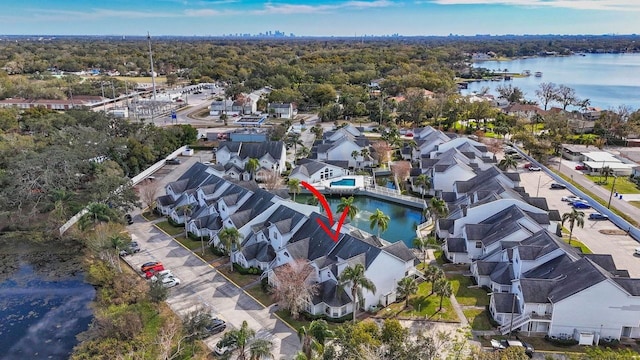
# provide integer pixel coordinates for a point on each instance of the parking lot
(621, 247)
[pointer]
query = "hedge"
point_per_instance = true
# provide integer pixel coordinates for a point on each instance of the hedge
(246, 271)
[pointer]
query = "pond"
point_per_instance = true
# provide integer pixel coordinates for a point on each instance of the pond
(402, 226)
(44, 304)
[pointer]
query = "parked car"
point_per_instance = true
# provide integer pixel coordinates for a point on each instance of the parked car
(132, 248)
(527, 165)
(161, 274)
(557, 186)
(535, 168)
(216, 326)
(571, 198)
(151, 272)
(505, 343)
(223, 348)
(170, 281)
(598, 216)
(581, 167)
(637, 251)
(580, 205)
(174, 161)
(128, 218)
(510, 151)
(150, 265)
(517, 156)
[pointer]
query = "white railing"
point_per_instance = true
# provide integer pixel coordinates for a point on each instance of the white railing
(514, 324)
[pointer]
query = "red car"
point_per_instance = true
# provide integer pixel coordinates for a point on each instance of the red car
(528, 165)
(581, 167)
(151, 265)
(153, 271)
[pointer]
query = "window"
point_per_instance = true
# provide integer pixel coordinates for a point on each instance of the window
(478, 244)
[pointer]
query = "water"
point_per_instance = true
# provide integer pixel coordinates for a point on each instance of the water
(402, 226)
(344, 182)
(40, 317)
(607, 80)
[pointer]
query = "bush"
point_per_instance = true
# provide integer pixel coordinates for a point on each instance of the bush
(246, 271)
(216, 251)
(561, 342)
(173, 223)
(311, 317)
(157, 292)
(264, 284)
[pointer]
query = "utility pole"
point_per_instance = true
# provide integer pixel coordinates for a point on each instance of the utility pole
(613, 186)
(153, 74)
(104, 101)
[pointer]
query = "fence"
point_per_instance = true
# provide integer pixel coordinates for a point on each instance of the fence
(134, 181)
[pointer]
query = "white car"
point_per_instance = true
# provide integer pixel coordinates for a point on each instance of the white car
(170, 281)
(571, 198)
(637, 251)
(535, 168)
(161, 275)
(221, 349)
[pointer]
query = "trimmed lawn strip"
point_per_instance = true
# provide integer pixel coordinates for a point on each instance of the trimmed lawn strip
(196, 247)
(577, 244)
(596, 198)
(466, 296)
(635, 203)
(239, 279)
(170, 229)
(264, 298)
(478, 318)
(150, 216)
(623, 185)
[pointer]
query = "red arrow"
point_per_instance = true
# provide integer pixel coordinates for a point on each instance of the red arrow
(327, 209)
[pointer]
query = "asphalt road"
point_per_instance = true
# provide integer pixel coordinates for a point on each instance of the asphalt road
(621, 247)
(201, 285)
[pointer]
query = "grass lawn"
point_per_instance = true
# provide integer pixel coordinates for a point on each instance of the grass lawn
(465, 295)
(142, 79)
(635, 203)
(196, 247)
(478, 318)
(301, 321)
(623, 185)
(577, 244)
(150, 215)
(170, 229)
(422, 305)
(264, 298)
(236, 277)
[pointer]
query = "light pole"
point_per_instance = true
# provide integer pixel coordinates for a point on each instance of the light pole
(538, 189)
(613, 186)
(513, 309)
(200, 231)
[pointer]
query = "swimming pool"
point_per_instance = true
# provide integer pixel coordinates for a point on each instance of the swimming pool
(343, 182)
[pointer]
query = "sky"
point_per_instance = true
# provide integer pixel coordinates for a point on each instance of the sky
(318, 18)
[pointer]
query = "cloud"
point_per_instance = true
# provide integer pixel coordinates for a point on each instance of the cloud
(271, 8)
(92, 14)
(614, 5)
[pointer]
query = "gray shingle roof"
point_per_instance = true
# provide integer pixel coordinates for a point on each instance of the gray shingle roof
(502, 274)
(400, 250)
(536, 290)
(504, 303)
(257, 203)
(485, 267)
(456, 245)
(632, 286)
(331, 294)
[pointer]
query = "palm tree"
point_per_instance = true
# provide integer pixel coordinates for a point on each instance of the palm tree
(96, 213)
(432, 274)
(243, 341)
(230, 237)
(424, 243)
(294, 187)
(186, 210)
(380, 220)
(353, 210)
(294, 139)
(438, 208)
(317, 131)
(303, 152)
(606, 171)
(443, 288)
(118, 242)
(407, 287)
(423, 181)
(313, 337)
(365, 153)
(574, 217)
(251, 166)
(508, 162)
(354, 155)
(60, 198)
(355, 275)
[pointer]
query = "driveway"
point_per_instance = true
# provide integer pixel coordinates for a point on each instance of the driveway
(621, 247)
(201, 285)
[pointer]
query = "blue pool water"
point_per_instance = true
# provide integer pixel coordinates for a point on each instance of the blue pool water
(344, 182)
(402, 224)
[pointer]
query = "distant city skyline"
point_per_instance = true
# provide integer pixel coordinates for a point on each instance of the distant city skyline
(319, 18)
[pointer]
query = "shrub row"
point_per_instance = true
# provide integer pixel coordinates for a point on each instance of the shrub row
(246, 271)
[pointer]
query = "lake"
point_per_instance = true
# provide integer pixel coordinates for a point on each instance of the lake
(44, 304)
(402, 226)
(607, 80)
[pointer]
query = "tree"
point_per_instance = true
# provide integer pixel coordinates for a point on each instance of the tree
(149, 193)
(230, 238)
(196, 322)
(295, 284)
(438, 208)
(187, 210)
(354, 155)
(574, 217)
(157, 292)
(313, 337)
(512, 94)
(294, 187)
(432, 274)
(566, 96)
(96, 213)
(606, 171)
(547, 93)
(424, 243)
(407, 287)
(293, 139)
(401, 170)
(304, 152)
(358, 280)
(243, 341)
(423, 181)
(348, 202)
(442, 287)
(508, 162)
(251, 166)
(380, 220)
(317, 131)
